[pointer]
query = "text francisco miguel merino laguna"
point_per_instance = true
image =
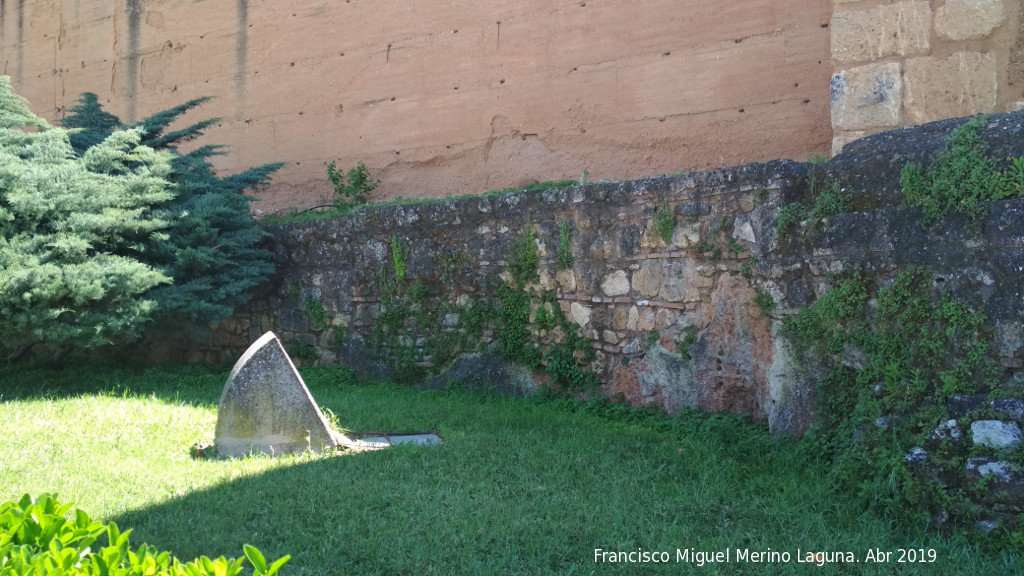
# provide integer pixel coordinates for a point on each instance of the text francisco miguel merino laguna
(701, 557)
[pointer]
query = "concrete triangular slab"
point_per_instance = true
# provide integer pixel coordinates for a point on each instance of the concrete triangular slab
(266, 407)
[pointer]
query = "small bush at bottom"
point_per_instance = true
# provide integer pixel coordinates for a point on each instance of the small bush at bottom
(37, 538)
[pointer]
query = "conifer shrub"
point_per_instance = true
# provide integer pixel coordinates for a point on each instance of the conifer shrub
(211, 248)
(73, 231)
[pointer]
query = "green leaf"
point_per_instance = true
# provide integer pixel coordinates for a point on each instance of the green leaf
(255, 558)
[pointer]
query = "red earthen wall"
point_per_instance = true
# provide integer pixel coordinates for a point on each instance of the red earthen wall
(445, 98)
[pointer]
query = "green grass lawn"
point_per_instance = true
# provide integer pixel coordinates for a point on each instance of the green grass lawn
(519, 486)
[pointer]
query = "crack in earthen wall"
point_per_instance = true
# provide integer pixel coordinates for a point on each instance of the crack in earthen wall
(242, 55)
(21, 40)
(133, 9)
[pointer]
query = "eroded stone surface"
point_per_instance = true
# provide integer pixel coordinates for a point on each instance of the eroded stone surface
(867, 97)
(266, 407)
(615, 284)
(899, 29)
(968, 19)
(995, 433)
(961, 85)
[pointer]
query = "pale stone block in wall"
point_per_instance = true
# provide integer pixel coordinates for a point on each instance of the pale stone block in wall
(841, 139)
(866, 97)
(615, 284)
(901, 29)
(580, 313)
(966, 83)
(967, 19)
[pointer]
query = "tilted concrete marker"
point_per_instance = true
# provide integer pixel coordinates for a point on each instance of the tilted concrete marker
(266, 407)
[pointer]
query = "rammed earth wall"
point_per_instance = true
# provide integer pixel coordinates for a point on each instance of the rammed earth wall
(675, 324)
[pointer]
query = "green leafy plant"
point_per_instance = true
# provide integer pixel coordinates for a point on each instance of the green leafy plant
(319, 319)
(917, 348)
(524, 259)
(789, 217)
(765, 303)
(300, 352)
(760, 196)
(37, 538)
(397, 258)
(665, 222)
(352, 189)
(748, 267)
(961, 179)
(829, 202)
(688, 340)
(565, 257)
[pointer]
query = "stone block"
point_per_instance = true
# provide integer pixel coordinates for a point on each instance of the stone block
(615, 284)
(995, 433)
(841, 139)
(566, 280)
(686, 233)
(266, 407)
(968, 19)
(900, 29)
(645, 323)
(580, 314)
(866, 97)
(620, 316)
(1013, 407)
(647, 280)
(938, 88)
(633, 318)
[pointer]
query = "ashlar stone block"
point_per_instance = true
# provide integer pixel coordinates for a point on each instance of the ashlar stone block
(867, 97)
(964, 84)
(969, 19)
(900, 29)
(266, 407)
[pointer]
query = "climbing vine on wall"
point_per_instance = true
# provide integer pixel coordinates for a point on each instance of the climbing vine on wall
(525, 322)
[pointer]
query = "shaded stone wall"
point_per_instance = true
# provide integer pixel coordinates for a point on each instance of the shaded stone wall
(444, 98)
(907, 62)
(675, 324)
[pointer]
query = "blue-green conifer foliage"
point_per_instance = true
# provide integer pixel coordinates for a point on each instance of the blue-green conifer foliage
(212, 248)
(72, 229)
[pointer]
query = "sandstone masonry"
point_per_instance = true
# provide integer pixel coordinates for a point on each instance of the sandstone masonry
(907, 62)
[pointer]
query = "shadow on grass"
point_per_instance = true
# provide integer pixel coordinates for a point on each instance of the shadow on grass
(180, 384)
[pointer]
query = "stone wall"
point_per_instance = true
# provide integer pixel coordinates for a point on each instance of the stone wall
(675, 324)
(445, 98)
(907, 62)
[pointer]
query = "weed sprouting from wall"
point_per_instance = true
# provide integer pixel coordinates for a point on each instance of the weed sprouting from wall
(665, 222)
(962, 178)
